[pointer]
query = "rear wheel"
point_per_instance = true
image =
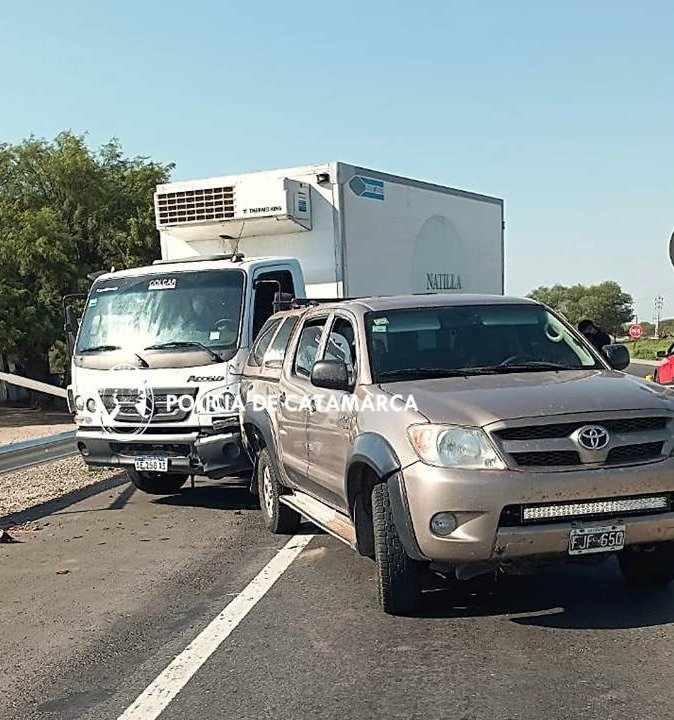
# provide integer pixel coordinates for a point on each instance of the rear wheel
(398, 575)
(156, 483)
(278, 518)
(647, 566)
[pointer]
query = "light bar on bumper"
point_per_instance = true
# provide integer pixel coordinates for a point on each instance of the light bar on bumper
(599, 507)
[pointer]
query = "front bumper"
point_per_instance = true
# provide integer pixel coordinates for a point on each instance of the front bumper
(478, 498)
(216, 455)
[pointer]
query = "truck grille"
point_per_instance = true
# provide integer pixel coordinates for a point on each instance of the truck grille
(160, 449)
(129, 405)
(191, 206)
(557, 445)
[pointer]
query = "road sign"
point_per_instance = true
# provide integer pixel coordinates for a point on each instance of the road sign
(636, 331)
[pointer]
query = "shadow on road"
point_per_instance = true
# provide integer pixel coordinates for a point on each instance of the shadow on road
(222, 497)
(566, 597)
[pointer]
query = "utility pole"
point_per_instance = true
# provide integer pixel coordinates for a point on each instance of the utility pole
(659, 303)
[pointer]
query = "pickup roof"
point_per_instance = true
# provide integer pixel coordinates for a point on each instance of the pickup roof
(466, 434)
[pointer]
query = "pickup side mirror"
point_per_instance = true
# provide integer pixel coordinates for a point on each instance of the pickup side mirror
(661, 354)
(330, 374)
(618, 356)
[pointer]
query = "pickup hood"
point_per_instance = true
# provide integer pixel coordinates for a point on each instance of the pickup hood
(484, 399)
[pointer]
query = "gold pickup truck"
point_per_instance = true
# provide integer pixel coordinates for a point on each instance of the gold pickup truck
(466, 434)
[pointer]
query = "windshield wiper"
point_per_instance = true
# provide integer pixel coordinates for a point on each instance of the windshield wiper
(185, 344)
(532, 366)
(99, 348)
(420, 372)
(110, 348)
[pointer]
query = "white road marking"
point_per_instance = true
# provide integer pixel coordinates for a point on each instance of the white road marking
(159, 693)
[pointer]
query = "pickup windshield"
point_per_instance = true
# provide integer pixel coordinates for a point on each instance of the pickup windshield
(164, 312)
(460, 341)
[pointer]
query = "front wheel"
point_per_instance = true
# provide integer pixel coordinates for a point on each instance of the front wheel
(647, 566)
(155, 483)
(278, 518)
(398, 575)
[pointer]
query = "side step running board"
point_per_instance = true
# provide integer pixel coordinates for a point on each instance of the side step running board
(325, 517)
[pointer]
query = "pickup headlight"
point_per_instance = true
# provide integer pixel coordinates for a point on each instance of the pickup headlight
(454, 446)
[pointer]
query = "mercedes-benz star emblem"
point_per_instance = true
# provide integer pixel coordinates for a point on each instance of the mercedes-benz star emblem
(593, 437)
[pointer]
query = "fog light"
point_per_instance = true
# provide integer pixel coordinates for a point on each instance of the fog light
(82, 448)
(91, 405)
(443, 523)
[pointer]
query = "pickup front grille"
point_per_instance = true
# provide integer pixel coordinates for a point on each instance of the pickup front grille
(562, 430)
(558, 445)
(540, 459)
(634, 453)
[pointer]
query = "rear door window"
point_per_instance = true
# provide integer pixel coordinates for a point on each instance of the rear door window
(263, 341)
(307, 346)
(276, 351)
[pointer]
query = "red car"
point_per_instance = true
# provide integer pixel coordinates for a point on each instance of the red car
(664, 374)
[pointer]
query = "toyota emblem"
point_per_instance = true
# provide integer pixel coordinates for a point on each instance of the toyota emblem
(593, 437)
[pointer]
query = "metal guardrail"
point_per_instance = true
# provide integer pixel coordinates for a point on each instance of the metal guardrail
(39, 450)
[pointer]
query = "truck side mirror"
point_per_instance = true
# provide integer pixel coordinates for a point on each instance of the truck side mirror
(618, 356)
(330, 374)
(661, 354)
(71, 324)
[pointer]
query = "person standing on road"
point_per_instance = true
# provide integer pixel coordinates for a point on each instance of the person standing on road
(594, 335)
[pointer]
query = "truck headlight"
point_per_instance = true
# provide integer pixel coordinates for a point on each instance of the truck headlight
(79, 402)
(454, 446)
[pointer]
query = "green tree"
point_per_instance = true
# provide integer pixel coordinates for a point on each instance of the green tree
(65, 210)
(605, 304)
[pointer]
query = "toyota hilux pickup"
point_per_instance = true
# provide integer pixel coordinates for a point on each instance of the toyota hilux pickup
(461, 434)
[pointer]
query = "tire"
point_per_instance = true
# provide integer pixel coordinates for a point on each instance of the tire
(648, 566)
(277, 517)
(155, 483)
(398, 575)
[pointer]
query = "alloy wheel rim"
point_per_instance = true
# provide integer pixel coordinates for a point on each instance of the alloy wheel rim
(267, 491)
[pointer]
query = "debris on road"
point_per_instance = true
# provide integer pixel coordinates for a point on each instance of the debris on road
(5, 537)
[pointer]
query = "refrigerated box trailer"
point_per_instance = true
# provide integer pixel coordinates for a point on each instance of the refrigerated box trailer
(354, 230)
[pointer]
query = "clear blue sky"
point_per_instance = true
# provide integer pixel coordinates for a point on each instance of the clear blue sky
(565, 109)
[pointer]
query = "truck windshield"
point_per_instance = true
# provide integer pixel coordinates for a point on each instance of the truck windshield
(472, 340)
(172, 310)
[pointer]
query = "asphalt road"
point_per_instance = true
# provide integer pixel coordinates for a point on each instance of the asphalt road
(101, 595)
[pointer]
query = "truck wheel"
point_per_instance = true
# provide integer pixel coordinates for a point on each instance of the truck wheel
(648, 566)
(398, 575)
(278, 518)
(156, 483)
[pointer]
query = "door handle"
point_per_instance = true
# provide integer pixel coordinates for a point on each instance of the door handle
(312, 405)
(282, 397)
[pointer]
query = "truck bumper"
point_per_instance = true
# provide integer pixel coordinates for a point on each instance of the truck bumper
(216, 456)
(488, 509)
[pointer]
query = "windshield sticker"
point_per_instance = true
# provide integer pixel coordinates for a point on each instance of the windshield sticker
(162, 284)
(214, 335)
(106, 289)
(380, 321)
(379, 328)
(93, 302)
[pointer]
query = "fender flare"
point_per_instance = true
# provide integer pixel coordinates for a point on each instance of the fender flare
(259, 419)
(375, 452)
